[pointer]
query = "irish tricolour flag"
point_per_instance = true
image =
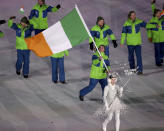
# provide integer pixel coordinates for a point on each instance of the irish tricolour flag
(70, 31)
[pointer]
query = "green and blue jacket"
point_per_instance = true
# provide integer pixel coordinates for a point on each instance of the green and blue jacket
(38, 16)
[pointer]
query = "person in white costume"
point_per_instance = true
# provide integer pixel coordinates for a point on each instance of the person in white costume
(113, 104)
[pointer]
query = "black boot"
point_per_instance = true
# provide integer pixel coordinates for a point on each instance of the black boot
(139, 73)
(18, 72)
(25, 76)
(55, 82)
(159, 65)
(63, 82)
(81, 98)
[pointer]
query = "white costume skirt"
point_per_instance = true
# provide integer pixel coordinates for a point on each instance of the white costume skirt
(116, 105)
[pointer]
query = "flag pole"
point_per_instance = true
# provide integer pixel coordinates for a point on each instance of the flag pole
(86, 27)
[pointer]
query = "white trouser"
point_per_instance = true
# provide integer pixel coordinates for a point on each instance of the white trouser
(109, 118)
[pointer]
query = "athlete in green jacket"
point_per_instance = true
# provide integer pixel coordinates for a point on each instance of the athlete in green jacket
(57, 62)
(38, 15)
(131, 33)
(155, 31)
(98, 73)
(153, 2)
(1, 33)
(100, 33)
(23, 30)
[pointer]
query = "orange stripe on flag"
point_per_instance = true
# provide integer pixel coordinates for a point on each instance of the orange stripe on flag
(162, 13)
(38, 45)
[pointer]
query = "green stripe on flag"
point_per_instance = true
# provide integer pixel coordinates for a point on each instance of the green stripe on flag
(74, 28)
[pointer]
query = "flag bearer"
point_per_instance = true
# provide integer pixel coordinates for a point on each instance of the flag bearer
(98, 73)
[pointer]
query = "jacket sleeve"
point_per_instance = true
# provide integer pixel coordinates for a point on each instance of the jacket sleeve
(111, 35)
(106, 60)
(150, 25)
(149, 28)
(124, 33)
(32, 14)
(12, 25)
(143, 24)
(51, 9)
(153, 7)
(92, 34)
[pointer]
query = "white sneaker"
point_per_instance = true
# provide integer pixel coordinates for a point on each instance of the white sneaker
(103, 127)
(133, 70)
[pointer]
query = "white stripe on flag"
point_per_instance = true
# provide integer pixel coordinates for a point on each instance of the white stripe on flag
(56, 38)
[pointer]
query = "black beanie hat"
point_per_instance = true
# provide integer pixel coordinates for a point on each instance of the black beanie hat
(156, 11)
(99, 18)
(25, 20)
